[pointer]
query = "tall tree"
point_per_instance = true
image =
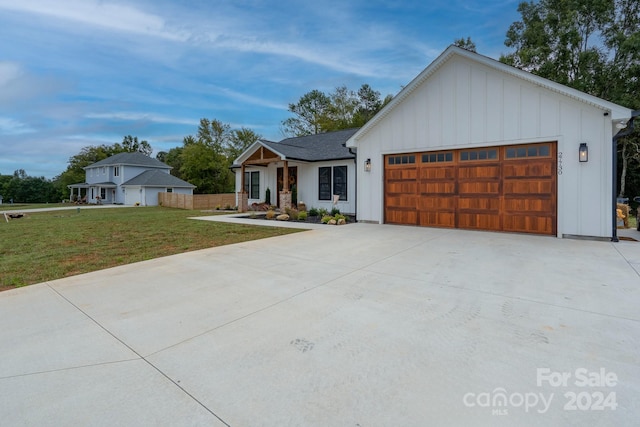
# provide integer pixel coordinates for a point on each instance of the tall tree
(240, 140)
(317, 112)
(309, 113)
(590, 45)
(173, 158)
(204, 159)
(130, 144)
(465, 43)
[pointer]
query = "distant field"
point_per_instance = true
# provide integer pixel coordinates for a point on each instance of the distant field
(45, 246)
(26, 206)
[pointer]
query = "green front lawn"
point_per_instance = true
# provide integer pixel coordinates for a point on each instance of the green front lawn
(45, 246)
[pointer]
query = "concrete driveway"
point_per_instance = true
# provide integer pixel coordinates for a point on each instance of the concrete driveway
(360, 325)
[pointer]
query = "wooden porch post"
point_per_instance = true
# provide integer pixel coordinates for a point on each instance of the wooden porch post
(285, 177)
(285, 194)
(243, 197)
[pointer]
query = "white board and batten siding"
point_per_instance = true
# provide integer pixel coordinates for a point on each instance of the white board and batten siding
(464, 104)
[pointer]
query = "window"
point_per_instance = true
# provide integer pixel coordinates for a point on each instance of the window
(437, 157)
(116, 171)
(472, 155)
(528, 151)
(104, 170)
(169, 190)
(103, 193)
(252, 184)
(332, 180)
(402, 160)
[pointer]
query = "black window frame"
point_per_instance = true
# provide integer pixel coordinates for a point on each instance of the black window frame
(251, 184)
(333, 180)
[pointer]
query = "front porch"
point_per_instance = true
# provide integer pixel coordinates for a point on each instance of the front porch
(102, 193)
(284, 185)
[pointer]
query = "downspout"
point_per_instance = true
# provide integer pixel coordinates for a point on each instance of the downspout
(614, 149)
(355, 196)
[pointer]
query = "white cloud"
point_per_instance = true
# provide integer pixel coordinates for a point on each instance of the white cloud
(107, 15)
(134, 116)
(247, 99)
(9, 71)
(9, 126)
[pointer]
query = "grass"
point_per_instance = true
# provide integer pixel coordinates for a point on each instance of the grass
(45, 246)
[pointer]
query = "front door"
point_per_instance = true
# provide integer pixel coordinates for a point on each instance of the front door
(293, 184)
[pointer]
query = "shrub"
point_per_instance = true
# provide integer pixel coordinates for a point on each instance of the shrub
(313, 212)
(326, 218)
(293, 214)
(270, 214)
(302, 216)
(335, 211)
(267, 196)
(323, 212)
(339, 217)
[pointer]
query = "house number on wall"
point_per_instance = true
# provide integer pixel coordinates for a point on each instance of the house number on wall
(560, 163)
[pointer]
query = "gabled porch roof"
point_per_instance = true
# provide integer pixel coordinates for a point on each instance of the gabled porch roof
(309, 148)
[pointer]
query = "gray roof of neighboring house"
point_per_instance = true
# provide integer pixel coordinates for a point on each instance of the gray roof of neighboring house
(315, 148)
(130, 159)
(156, 178)
(95, 184)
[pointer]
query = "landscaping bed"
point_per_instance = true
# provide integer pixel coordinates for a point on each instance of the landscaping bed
(312, 216)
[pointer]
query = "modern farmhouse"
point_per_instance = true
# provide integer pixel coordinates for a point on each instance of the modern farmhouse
(129, 179)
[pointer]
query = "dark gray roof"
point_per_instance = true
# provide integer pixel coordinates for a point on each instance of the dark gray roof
(131, 159)
(156, 178)
(315, 148)
(95, 184)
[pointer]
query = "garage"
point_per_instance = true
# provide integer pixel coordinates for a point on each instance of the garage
(507, 188)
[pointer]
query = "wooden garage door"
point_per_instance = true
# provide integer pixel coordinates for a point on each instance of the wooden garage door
(509, 188)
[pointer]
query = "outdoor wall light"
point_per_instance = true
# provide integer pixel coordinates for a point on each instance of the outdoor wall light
(367, 165)
(583, 152)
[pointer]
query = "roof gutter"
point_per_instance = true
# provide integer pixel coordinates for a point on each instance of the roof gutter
(355, 195)
(628, 131)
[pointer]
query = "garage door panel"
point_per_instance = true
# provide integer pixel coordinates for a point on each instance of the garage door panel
(398, 216)
(528, 224)
(542, 169)
(402, 174)
(437, 203)
(518, 205)
(404, 201)
(475, 172)
(437, 219)
(475, 187)
(447, 173)
(528, 187)
(479, 221)
(427, 188)
(479, 204)
(402, 187)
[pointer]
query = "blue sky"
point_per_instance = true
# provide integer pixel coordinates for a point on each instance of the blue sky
(75, 73)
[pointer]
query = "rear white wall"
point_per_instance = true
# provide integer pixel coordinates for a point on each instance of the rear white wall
(307, 183)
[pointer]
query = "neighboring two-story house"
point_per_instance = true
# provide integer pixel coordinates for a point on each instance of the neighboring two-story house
(129, 179)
